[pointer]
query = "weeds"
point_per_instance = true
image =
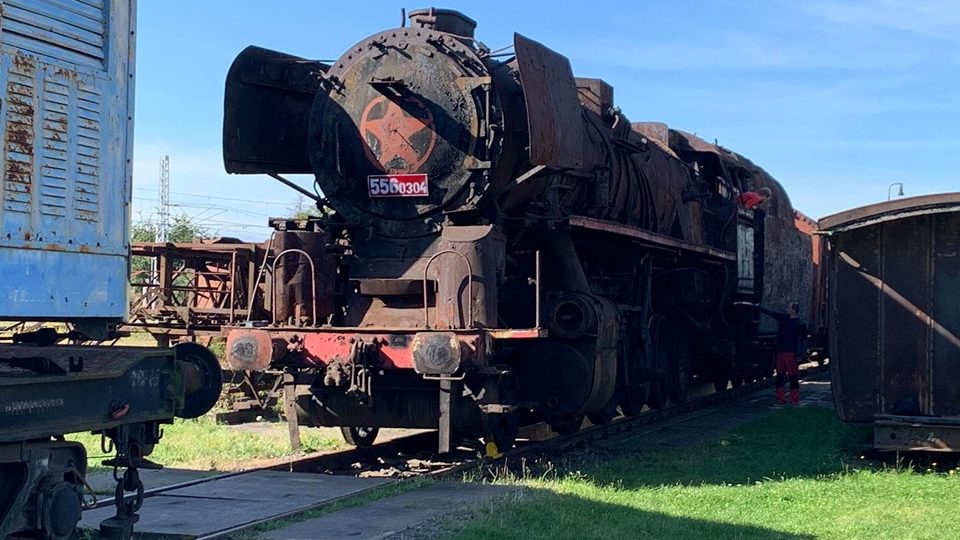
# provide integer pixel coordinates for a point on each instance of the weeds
(203, 444)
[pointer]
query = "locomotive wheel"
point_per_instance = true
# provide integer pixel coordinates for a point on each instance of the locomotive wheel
(680, 373)
(568, 426)
(720, 380)
(662, 360)
(553, 375)
(361, 437)
(502, 428)
(604, 415)
(209, 375)
(766, 364)
(633, 397)
(721, 372)
(723, 362)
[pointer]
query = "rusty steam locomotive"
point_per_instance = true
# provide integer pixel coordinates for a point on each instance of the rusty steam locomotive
(500, 243)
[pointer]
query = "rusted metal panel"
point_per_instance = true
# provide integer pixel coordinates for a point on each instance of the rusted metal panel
(904, 308)
(658, 132)
(66, 72)
(553, 105)
(854, 332)
(817, 319)
(267, 106)
(595, 95)
(294, 283)
(473, 252)
(746, 265)
(894, 287)
(945, 307)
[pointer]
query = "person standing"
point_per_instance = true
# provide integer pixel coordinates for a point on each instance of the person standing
(790, 332)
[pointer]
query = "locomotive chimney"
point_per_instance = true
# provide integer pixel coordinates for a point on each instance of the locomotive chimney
(443, 20)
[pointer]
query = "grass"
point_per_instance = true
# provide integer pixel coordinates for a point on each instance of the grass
(795, 474)
(202, 444)
(138, 339)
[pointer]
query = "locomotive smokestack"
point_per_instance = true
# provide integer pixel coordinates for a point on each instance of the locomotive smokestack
(443, 20)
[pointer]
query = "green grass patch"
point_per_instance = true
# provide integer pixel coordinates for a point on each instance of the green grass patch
(794, 474)
(202, 444)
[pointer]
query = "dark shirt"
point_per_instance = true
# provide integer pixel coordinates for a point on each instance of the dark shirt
(789, 330)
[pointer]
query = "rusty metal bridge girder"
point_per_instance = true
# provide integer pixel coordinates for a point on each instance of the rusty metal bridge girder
(195, 288)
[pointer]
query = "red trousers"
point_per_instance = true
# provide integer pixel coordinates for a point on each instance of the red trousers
(787, 368)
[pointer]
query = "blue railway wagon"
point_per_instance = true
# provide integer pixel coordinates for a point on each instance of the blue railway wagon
(66, 71)
(66, 125)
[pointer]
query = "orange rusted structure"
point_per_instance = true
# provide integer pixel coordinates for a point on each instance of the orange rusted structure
(193, 289)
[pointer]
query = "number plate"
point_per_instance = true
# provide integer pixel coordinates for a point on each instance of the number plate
(398, 185)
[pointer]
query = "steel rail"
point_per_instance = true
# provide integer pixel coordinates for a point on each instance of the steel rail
(307, 462)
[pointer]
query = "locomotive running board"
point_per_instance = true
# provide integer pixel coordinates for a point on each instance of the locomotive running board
(649, 238)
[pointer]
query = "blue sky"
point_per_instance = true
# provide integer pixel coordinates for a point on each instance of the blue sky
(835, 99)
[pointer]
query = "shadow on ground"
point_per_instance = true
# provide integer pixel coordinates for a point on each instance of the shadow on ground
(788, 443)
(548, 515)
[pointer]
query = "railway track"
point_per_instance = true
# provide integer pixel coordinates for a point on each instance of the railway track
(413, 456)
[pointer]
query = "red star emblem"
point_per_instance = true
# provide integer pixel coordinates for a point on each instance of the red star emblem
(399, 137)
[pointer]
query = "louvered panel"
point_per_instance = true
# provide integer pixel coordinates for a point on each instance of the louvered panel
(69, 30)
(55, 160)
(78, 14)
(88, 136)
(18, 148)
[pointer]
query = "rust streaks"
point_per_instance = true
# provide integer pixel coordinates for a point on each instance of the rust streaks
(19, 141)
(24, 63)
(65, 73)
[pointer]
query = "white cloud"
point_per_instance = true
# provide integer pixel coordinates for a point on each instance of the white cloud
(895, 144)
(741, 51)
(932, 19)
(884, 35)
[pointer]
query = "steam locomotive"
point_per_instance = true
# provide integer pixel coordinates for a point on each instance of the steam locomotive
(500, 244)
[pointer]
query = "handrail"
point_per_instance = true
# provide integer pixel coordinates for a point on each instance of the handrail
(273, 283)
(426, 305)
